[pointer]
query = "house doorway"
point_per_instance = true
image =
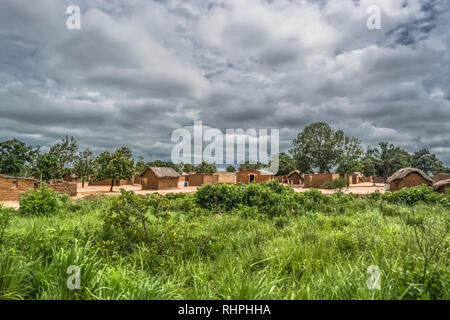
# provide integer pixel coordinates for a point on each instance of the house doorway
(252, 178)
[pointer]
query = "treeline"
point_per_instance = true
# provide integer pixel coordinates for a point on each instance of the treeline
(317, 148)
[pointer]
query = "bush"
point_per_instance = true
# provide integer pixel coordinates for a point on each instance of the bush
(219, 197)
(42, 201)
(335, 184)
(412, 196)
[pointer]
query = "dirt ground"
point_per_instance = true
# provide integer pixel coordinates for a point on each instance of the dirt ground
(95, 191)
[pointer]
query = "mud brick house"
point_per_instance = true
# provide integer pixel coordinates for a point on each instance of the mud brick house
(158, 178)
(226, 177)
(195, 180)
(407, 178)
(440, 176)
(249, 176)
(316, 180)
(71, 178)
(295, 178)
(11, 187)
(355, 178)
(137, 179)
(442, 186)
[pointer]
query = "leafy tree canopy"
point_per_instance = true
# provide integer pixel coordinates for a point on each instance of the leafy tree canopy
(206, 168)
(14, 156)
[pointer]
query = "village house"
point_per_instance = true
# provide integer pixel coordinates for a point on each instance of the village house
(226, 177)
(442, 186)
(356, 178)
(407, 178)
(249, 176)
(159, 178)
(316, 180)
(295, 178)
(440, 176)
(11, 187)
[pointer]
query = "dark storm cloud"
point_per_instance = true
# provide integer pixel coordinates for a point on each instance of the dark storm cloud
(137, 70)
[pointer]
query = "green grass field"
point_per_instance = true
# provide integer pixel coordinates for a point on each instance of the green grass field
(228, 242)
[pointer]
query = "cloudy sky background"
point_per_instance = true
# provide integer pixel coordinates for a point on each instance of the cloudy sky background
(137, 70)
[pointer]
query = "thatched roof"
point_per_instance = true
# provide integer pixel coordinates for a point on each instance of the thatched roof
(441, 183)
(295, 171)
(163, 172)
(402, 173)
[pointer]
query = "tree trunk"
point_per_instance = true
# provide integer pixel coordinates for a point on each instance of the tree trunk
(112, 185)
(82, 182)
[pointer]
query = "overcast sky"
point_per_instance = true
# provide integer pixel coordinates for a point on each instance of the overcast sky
(137, 70)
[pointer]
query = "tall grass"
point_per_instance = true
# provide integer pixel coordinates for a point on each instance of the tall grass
(270, 243)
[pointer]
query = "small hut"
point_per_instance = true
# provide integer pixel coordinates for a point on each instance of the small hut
(356, 178)
(442, 186)
(440, 176)
(159, 178)
(407, 178)
(295, 177)
(249, 176)
(226, 177)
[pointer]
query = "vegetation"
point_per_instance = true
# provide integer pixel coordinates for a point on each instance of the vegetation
(258, 241)
(231, 169)
(205, 168)
(84, 165)
(318, 147)
(115, 166)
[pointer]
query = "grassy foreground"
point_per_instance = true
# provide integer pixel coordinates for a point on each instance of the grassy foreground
(228, 242)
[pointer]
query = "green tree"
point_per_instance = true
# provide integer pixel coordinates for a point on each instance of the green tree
(286, 164)
(206, 168)
(66, 153)
(388, 158)
(14, 157)
(46, 167)
(115, 166)
(141, 165)
(426, 161)
(188, 168)
(352, 151)
(231, 169)
(84, 165)
(318, 146)
(247, 165)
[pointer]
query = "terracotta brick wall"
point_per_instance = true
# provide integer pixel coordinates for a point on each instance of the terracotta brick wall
(226, 177)
(441, 176)
(10, 188)
(411, 180)
(317, 180)
(65, 188)
(244, 176)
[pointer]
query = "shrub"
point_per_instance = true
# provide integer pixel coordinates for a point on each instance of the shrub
(412, 196)
(219, 196)
(335, 184)
(5, 218)
(42, 201)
